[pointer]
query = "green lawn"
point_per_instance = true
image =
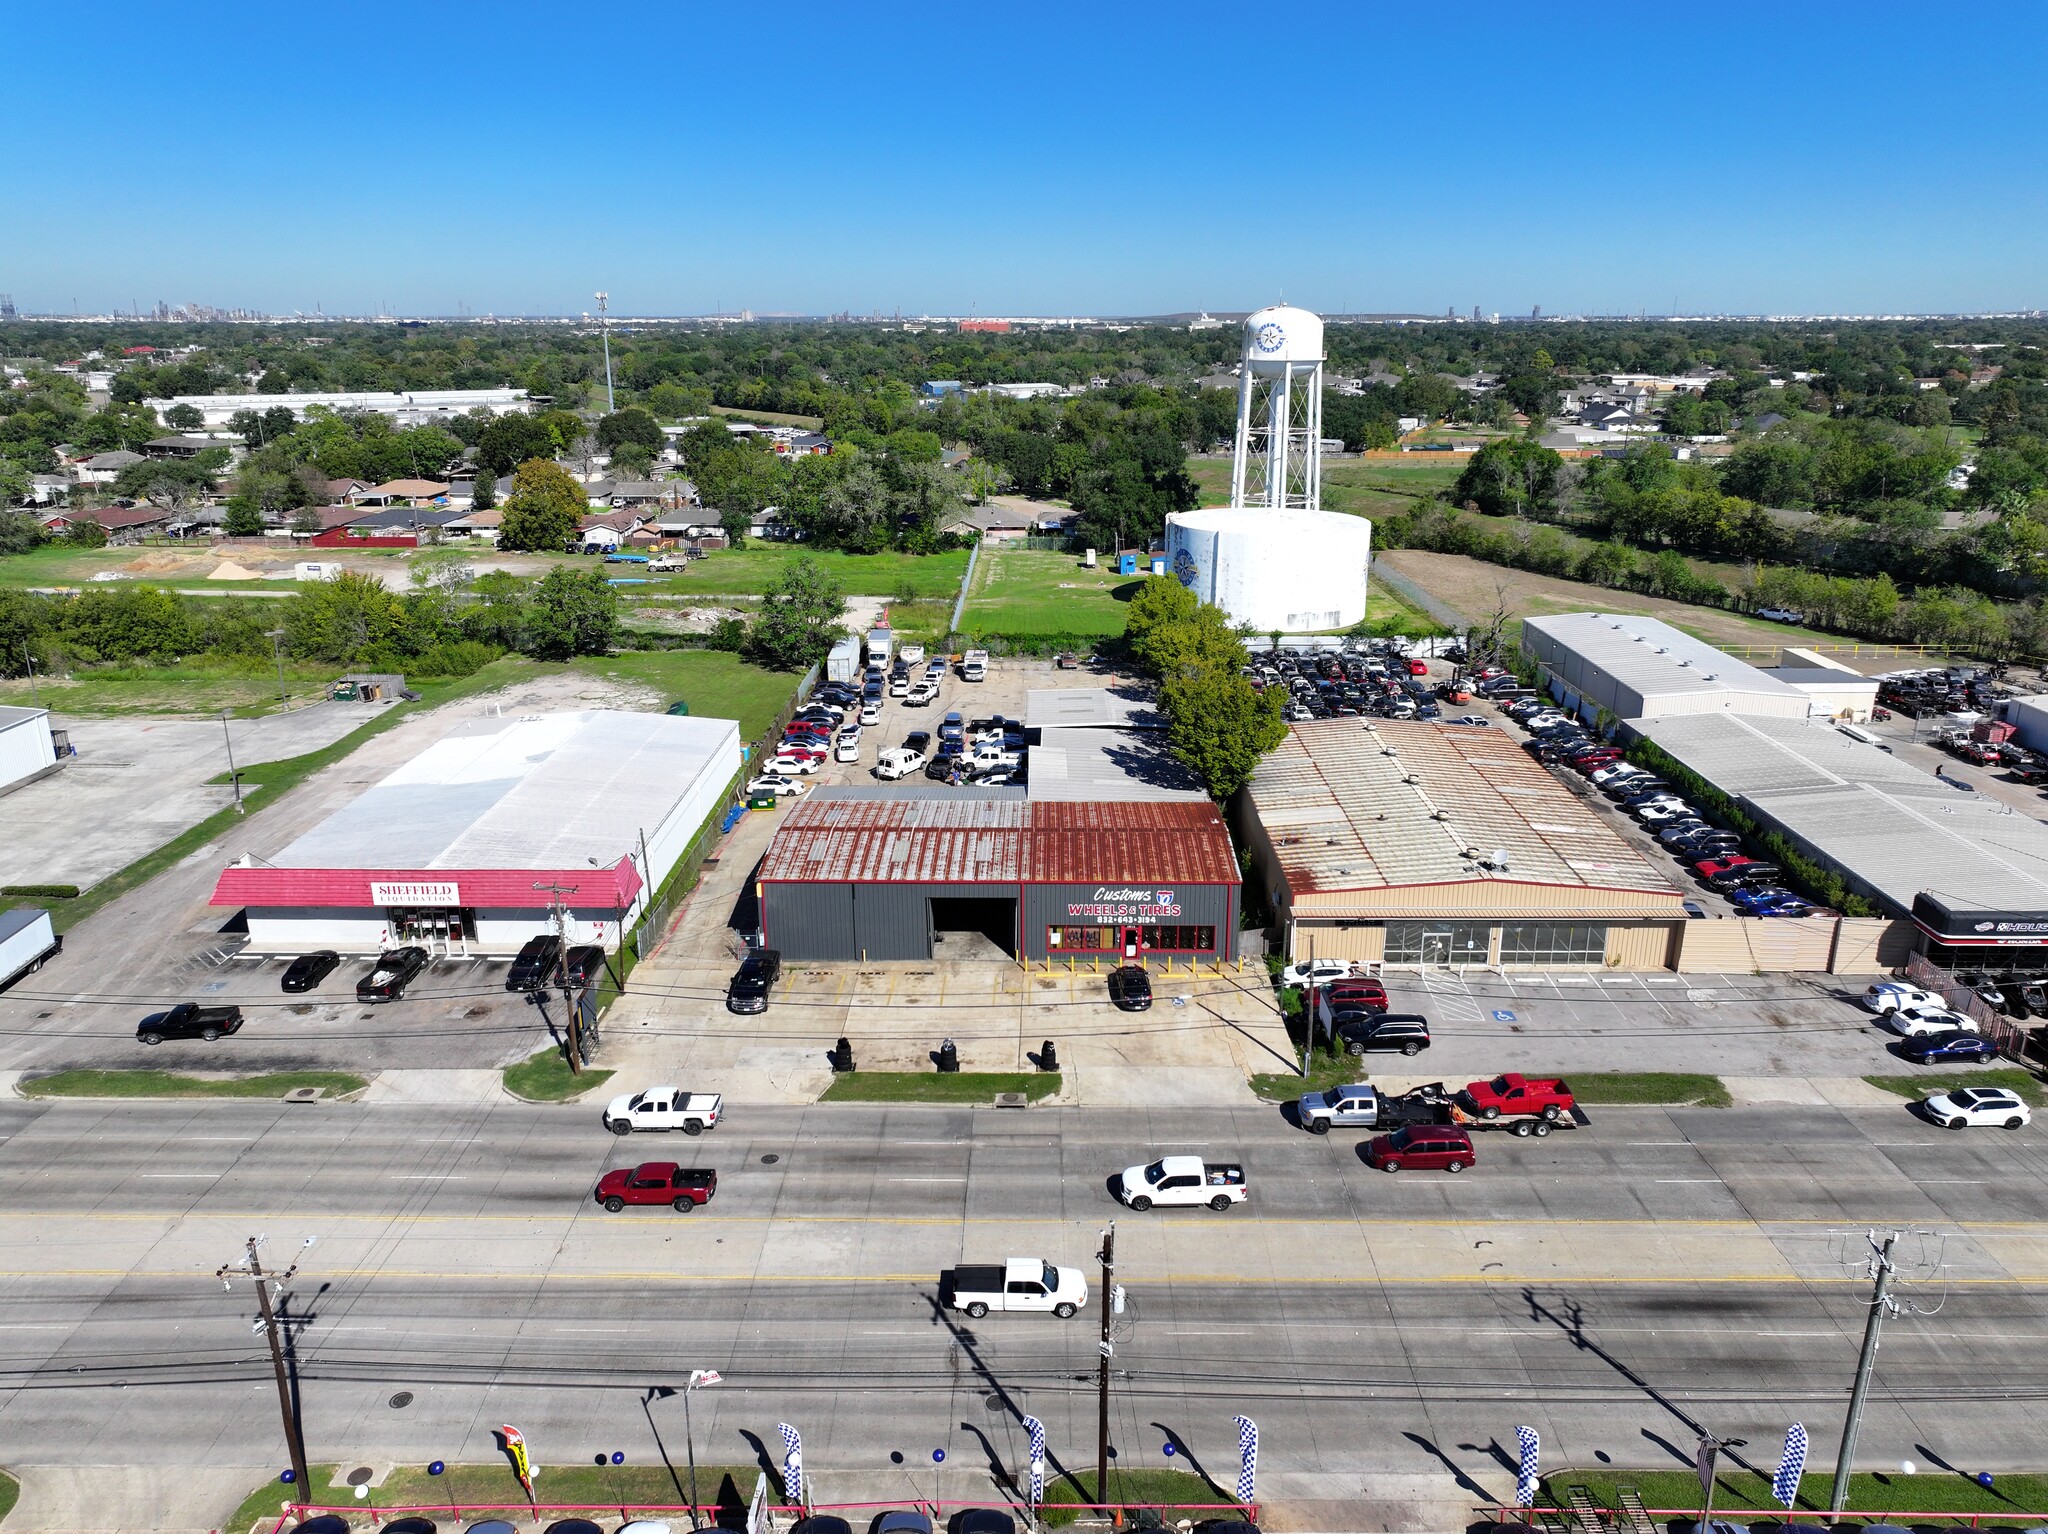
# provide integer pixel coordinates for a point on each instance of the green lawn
(749, 572)
(475, 1488)
(712, 682)
(1361, 486)
(1387, 613)
(771, 417)
(1029, 592)
(202, 686)
(139, 1083)
(2024, 1082)
(546, 1078)
(10, 1493)
(1933, 1490)
(1324, 1071)
(931, 1087)
(1678, 1088)
(1177, 1493)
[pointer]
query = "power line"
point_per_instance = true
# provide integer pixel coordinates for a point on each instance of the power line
(267, 1284)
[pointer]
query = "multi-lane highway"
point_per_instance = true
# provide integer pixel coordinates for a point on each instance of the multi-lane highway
(1615, 1285)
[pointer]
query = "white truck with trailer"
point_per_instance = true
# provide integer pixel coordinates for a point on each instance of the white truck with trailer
(663, 1107)
(881, 645)
(27, 942)
(1021, 1283)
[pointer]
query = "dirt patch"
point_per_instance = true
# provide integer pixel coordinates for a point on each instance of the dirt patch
(686, 620)
(1469, 586)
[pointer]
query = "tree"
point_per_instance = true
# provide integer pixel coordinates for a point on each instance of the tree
(484, 494)
(544, 510)
(1511, 475)
(634, 425)
(1159, 601)
(24, 619)
(305, 521)
(632, 460)
(243, 520)
(19, 532)
(1220, 727)
(799, 618)
(511, 440)
(571, 612)
(184, 418)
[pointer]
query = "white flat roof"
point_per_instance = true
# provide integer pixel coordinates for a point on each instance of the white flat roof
(1651, 658)
(541, 791)
(1049, 708)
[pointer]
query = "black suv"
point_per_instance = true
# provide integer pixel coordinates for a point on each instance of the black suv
(1405, 1031)
(758, 971)
(1130, 988)
(189, 1020)
(535, 963)
(585, 964)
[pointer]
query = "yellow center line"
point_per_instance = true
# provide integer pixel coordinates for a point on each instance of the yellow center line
(1238, 1280)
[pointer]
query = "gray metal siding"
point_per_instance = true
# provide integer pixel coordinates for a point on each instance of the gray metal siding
(809, 921)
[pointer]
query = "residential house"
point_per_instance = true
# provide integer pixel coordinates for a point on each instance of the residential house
(1607, 415)
(991, 523)
(608, 530)
(645, 492)
(802, 444)
(181, 445)
(401, 492)
(122, 524)
(105, 468)
(48, 489)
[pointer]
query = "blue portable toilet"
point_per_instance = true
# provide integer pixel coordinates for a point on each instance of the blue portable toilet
(1158, 564)
(1127, 564)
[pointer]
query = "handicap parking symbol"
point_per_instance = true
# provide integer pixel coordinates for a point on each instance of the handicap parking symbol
(1502, 1017)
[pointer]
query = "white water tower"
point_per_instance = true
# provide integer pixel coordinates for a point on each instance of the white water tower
(1278, 462)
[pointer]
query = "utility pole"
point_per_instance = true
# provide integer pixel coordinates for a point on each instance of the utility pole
(233, 776)
(251, 1267)
(604, 326)
(1308, 1016)
(35, 692)
(276, 637)
(574, 1021)
(1107, 1257)
(1866, 1364)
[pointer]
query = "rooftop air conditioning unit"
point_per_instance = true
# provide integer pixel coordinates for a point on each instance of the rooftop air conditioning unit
(1439, 814)
(1409, 777)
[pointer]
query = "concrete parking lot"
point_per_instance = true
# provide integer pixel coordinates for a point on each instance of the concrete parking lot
(137, 783)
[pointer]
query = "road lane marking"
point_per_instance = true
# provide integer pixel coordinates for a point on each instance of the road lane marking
(928, 1179)
(208, 1175)
(1687, 1179)
(426, 1176)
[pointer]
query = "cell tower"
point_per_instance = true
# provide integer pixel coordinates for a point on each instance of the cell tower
(7, 306)
(1278, 462)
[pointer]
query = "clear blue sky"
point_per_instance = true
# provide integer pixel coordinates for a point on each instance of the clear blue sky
(1048, 157)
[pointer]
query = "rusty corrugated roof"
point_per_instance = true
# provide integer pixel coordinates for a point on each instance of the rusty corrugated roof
(1337, 800)
(971, 839)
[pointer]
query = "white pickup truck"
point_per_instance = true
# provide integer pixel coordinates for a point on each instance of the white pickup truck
(663, 1107)
(1022, 1283)
(1183, 1180)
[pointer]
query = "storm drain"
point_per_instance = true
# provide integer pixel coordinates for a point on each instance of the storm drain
(401, 1401)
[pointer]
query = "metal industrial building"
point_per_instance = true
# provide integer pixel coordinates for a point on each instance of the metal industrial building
(467, 848)
(1414, 843)
(917, 873)
(28, 747)
(1969, 871)
(1635, 667)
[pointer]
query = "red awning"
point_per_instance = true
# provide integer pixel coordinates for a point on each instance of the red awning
(477, 888)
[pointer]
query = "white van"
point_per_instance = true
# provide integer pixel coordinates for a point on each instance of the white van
(898, 762)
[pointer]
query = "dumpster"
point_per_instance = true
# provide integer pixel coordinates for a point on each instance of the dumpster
(762, 802)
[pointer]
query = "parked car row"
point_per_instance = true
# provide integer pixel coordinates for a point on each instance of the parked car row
(1941, 690)
(1930, 1032)
(1378, 678)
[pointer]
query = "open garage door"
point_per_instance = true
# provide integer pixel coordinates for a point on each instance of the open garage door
(977, 927)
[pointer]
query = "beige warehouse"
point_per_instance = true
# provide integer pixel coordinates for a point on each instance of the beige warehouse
(1424, 844)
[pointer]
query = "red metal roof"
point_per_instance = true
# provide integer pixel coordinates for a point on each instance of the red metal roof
(999, 841)
(486, 888)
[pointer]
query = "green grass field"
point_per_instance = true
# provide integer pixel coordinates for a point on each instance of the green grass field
(749, 572)
(712, 682)
(931, 1087)
(1033, 591)
(1362, 486)
(1678, 1088)
(138, 1083)
(1933, 1490)
(2013, 1079)
(204, 686)
(546, 1078)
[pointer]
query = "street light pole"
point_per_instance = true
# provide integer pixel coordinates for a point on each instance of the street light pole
(233, 776)
(697, 1377)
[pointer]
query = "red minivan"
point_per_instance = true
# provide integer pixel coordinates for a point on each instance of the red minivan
(1429, 1147)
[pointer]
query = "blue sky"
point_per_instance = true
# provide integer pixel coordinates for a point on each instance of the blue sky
(1028, 158)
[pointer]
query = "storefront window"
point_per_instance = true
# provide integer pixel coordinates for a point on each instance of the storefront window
(1553, 942)
(1150, 939)
(1438, 942)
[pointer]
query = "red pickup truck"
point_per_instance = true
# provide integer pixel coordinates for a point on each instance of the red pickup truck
(1515, 1095)
(657, 1182)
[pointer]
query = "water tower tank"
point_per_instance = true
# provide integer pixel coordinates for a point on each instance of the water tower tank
(1281, 335)
(1301, 572)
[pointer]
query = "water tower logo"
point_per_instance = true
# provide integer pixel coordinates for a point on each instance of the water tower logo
(1185, 568)
(1269, 338)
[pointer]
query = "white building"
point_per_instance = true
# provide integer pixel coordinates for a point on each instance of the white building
(1642, 668)
(27, 748)
(465, 849)
(418, 407)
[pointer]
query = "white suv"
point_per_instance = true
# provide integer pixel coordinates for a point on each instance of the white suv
(1890, 995)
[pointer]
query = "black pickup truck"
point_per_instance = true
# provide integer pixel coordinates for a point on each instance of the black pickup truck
(189, 1020)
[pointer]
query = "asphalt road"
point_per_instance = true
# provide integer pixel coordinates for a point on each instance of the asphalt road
(1614, 1285)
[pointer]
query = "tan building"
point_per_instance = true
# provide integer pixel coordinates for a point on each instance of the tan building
(1414, 843)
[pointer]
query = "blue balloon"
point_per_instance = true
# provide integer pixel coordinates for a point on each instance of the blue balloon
(1983, 1477)
(289, 1476)
(436, 1468)
(1167, 1450)
(618, 1458)
(938, 1456)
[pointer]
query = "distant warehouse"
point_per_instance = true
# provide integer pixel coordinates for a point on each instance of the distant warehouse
(861, 873)
(467, 848)
(1417, 843)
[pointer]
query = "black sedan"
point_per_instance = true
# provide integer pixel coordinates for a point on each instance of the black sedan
(1130, 988)
(394, 970)
(309, 969)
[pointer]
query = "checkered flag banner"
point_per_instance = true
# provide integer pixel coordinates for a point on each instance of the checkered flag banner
(1037, 1431)
(1525, 1478)
(1247, 1460)
(1791, 1465)
(792, 1464)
